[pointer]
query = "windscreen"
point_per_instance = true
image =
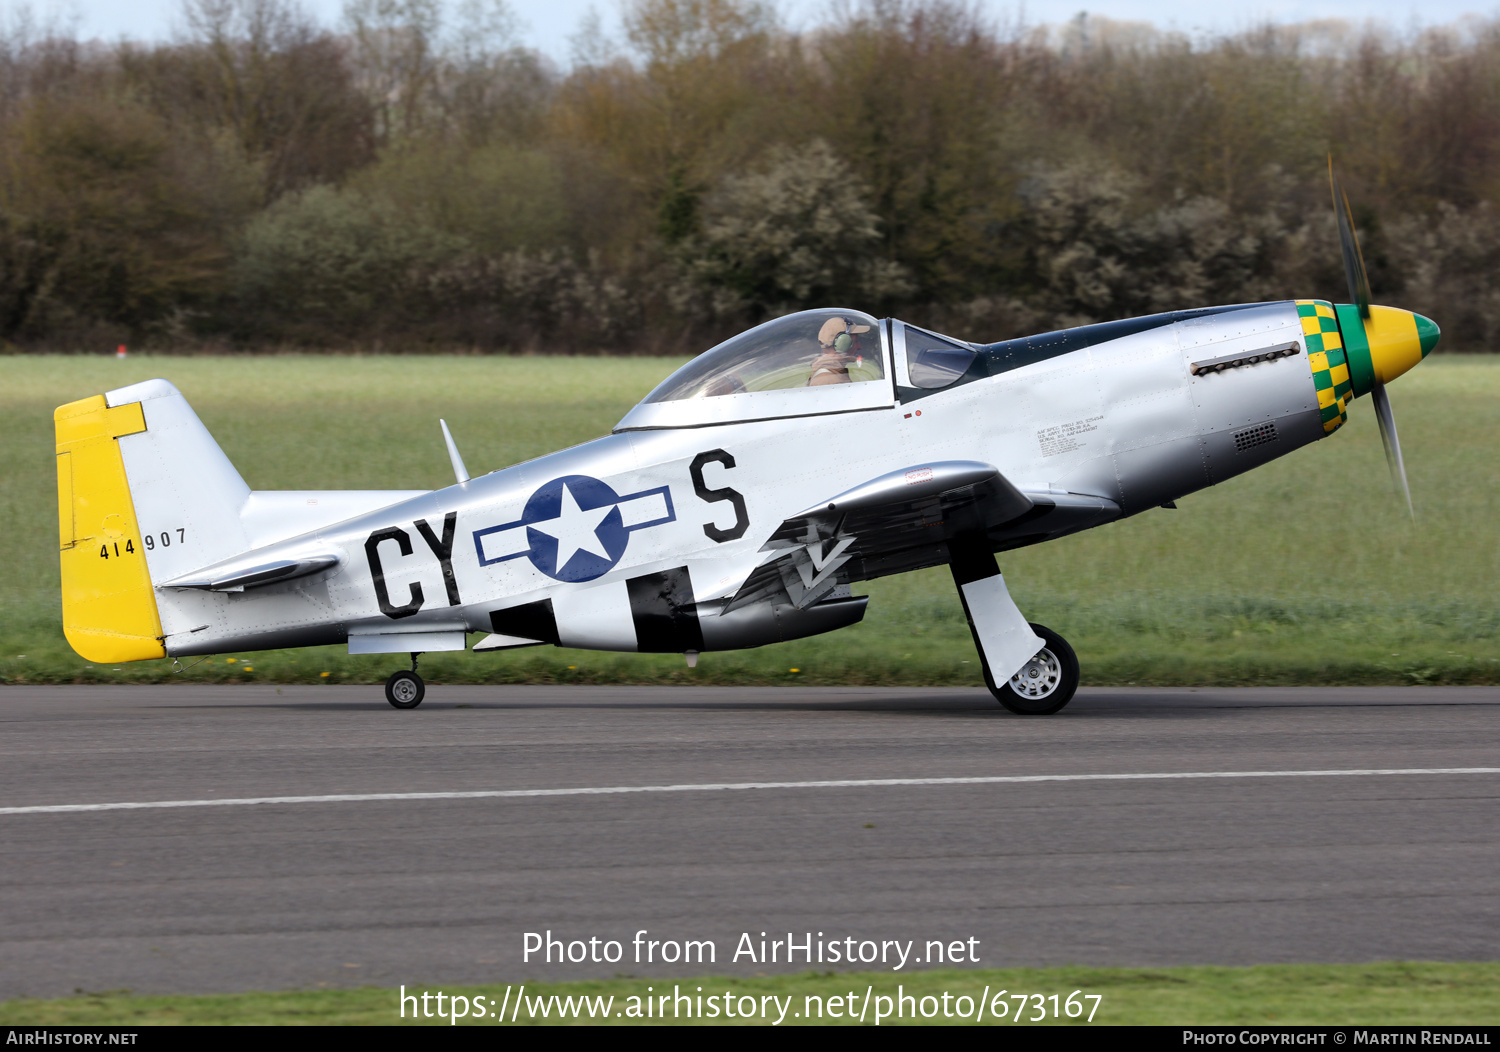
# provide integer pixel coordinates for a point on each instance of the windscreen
(934, 362)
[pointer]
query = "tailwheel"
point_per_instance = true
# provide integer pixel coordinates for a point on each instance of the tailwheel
(1045, 683)
(405, 690)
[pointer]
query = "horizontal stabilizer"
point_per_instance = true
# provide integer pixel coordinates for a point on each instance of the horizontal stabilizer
(235, 575)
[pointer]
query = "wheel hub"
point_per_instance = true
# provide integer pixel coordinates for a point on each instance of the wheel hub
(1039, 677)
(404, 689)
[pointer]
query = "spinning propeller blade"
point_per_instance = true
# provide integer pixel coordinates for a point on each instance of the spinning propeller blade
(1354, 262)
(1392, 443)
(1359, 294)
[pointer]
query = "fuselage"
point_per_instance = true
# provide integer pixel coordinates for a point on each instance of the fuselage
(606, 544)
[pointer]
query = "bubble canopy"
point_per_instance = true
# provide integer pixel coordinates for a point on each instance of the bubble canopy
(811, 349)
(813, 363)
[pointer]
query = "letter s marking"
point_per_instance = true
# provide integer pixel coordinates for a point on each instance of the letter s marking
(741, 516)
(382, 596)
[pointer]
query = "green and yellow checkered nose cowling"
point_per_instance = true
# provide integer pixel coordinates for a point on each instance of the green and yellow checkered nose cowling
(1349, 353)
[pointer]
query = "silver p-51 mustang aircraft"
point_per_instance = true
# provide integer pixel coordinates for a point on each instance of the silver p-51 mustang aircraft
(734, 506)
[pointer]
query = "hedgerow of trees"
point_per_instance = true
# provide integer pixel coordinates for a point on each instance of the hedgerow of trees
(412, 179)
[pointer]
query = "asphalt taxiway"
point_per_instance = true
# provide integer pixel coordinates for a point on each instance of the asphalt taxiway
(404, 879)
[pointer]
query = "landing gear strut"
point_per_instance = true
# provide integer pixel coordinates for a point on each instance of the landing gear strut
(405, 690)
(1046, 678)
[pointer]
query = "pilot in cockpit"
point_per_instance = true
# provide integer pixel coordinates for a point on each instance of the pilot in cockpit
(839, 347)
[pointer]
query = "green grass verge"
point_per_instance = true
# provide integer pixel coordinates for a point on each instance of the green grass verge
(1389, 994)
(1305, 571)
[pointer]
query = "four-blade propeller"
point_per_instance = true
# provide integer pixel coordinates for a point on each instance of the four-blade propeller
(1359, 295)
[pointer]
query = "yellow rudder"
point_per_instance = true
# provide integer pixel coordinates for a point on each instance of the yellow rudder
(109, 609)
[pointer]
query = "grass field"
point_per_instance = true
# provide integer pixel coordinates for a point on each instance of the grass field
(1391, 994)
(1304, 571)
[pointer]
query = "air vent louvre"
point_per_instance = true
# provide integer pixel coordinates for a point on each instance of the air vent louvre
(1258, 435)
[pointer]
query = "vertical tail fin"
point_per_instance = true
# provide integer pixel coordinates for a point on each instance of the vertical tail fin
(144, 494)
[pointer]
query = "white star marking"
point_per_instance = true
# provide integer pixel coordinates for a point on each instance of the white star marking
(575, 529)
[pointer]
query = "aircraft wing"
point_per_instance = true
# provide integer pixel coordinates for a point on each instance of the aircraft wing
(895, 522)
(903, 500)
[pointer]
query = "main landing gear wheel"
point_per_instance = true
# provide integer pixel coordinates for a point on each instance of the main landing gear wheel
(405, 690)
(1044, 684)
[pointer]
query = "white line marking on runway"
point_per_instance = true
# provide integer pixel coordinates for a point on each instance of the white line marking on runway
(712, 787)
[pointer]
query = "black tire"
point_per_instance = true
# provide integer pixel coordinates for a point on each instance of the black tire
(1059, 665)
(405, 690)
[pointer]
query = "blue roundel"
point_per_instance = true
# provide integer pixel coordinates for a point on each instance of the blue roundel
(574, 528)
(565, 513)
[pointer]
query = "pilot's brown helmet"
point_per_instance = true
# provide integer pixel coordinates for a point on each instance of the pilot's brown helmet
(833, 328)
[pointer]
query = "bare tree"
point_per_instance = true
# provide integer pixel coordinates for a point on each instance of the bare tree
(266, 74)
